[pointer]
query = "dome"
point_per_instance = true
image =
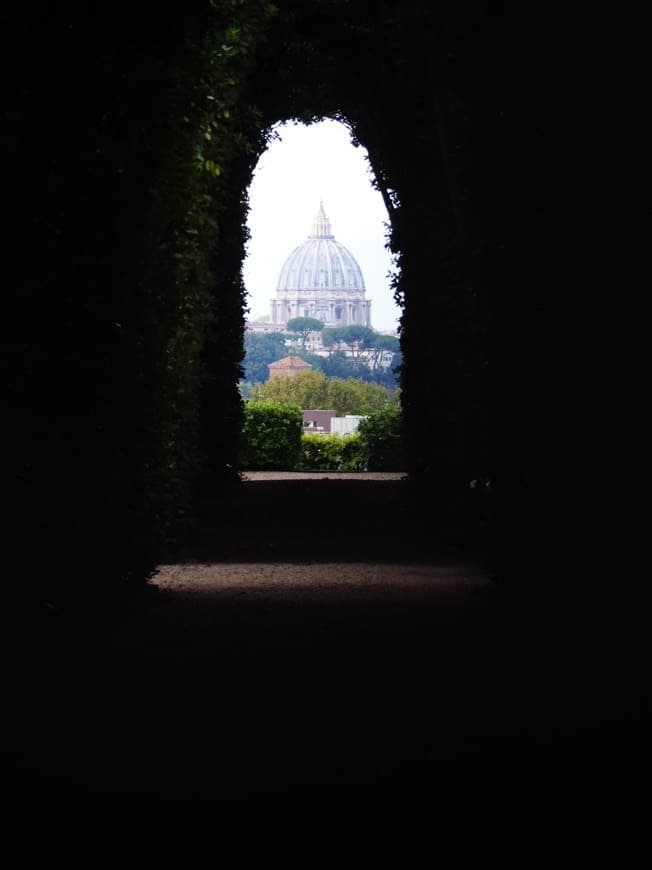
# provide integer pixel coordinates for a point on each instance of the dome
(321, 279)
(321, 263)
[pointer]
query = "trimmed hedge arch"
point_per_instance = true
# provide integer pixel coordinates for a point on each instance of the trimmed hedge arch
(132, 136)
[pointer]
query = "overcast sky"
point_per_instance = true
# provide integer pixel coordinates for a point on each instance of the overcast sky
(308, 164)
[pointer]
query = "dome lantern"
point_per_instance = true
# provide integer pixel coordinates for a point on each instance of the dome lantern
(321, 226)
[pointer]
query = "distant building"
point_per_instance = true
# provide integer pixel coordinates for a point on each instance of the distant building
(346, 425)
(324, 422)
(318, 420)
(321, 279)
(287, 367)
(261, 327)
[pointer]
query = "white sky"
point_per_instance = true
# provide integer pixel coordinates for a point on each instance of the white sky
(308, 164)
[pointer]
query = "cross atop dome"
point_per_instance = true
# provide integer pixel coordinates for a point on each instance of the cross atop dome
(321, 226)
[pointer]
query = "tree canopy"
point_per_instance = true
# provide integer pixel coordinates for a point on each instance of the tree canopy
(313, 389)
(355, 336)
(260, 351)
(303, 326)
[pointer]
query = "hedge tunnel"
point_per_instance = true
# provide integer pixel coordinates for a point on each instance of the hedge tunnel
(509, 150)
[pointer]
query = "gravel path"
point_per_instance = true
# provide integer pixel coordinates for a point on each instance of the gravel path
(335, 581)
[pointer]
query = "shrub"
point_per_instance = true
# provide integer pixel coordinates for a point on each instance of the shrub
(271, 436)
(382, 441)
(331, 453)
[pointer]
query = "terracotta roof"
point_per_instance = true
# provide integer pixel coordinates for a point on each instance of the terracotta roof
(290, 362)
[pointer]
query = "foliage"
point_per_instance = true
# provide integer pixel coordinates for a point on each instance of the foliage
(356, 339)
(310, 390)
(354, 336)
(228, 140)
(331, 453)
(270, 441)
(129, 214)
(303, 326)
(271, 436)
(384, 344)
(260, 351)
(336, 365)
(382, 441)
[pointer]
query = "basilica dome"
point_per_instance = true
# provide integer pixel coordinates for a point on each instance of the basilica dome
(322, 279)
(321, 262)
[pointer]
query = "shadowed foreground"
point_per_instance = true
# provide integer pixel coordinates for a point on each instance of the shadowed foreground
(332, 691)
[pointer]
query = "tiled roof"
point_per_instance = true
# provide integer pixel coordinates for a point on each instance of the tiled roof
(290, 362)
